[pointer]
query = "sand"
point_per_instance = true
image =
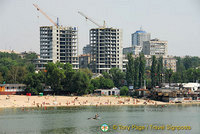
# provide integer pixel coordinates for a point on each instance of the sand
(45, 101)
(49, 101)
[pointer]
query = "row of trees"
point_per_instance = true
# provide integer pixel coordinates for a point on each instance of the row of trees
(135, 71)
(13, 68)
(62, 78)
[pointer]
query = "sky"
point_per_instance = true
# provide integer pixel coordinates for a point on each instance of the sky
(176, 21)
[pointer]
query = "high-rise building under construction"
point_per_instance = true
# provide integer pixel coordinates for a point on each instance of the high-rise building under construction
(58, 43)
(106, 49)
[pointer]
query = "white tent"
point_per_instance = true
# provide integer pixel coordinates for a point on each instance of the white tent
(192, 86)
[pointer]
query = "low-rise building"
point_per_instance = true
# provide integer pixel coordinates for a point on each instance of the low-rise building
(84, 61)
(10, 89)
(113, 91)
(135, 50)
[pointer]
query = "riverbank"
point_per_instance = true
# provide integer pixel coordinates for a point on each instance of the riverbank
(46, 101)
(52, 101)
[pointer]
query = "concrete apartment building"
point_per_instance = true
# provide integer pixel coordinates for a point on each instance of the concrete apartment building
(106, 45)
(58, 43)
(139, 37)
(155, 47)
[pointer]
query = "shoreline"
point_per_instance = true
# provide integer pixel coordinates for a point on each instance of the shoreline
(22, 101)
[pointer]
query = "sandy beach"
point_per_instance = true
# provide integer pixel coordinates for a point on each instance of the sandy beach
(46, 101)
(49, 101)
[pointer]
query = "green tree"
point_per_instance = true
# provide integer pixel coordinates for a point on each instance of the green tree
(106, 75)
(168, 75)
(124, 91)
(95, 83)
(142, 63)
(80, 82)
(87, 71)
(153, 72)
(130, 70)
(55, 76)
(33, 83)
(160, 71)
(136, 72)
(117, 76)
(1, 78)
(67, 81)
(106, 83)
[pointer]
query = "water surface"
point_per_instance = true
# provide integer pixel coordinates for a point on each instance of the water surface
(74, 120)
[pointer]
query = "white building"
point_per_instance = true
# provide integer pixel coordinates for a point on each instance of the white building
(106, 49)
(107, 92)
(135, 50)
(155, 47)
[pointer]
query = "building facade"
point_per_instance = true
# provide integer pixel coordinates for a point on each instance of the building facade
(106, 45)
(84, 61)
(155, 47)
(87, 49)
(58, 44)
(135, 50)
(169, 62)
(139, 37)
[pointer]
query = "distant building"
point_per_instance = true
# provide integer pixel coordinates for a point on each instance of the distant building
(9, 51)
(139, 37)
(106, 50)
(23, 54)
(10, 89)
(168, 61)
(87, 49)
(84, 61)
(113, 91)
(127, 50)
(58, 44)
(155, 47)
(135, 50)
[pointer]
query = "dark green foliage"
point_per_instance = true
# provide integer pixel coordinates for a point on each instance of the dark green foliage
(160, 71)
(168, 75)
(80, 82)
(142, 63)
(13, 68)
(130, 70)
(33, 83)
(105, 83)
(117, 76)
(136, 73)
(124, 91)
(153, 72)
(55, 75)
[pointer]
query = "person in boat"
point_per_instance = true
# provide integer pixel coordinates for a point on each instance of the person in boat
(95, 117)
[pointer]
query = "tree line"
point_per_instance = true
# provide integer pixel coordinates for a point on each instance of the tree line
(63, 79)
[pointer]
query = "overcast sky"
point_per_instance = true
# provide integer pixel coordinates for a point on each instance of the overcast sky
(177, 21)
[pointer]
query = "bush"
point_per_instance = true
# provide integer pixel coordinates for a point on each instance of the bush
(124, 90)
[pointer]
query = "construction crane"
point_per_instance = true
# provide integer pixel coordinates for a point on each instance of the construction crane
(87, 18)
(36, 6)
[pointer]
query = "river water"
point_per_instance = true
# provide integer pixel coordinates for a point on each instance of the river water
(74, 120)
